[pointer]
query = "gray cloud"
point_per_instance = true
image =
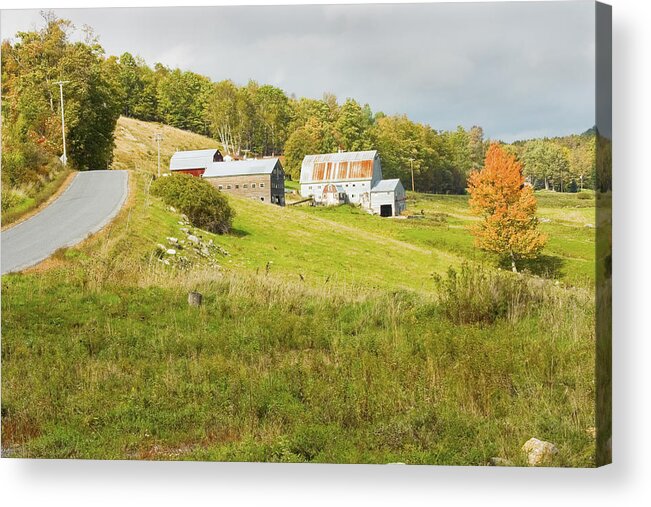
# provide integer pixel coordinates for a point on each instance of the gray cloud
(518, 69)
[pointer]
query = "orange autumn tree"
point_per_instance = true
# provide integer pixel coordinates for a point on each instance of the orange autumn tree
(499, 195)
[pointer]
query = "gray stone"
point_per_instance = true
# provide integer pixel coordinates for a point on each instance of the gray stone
(193, 239)
(496, 461)
(195, 298)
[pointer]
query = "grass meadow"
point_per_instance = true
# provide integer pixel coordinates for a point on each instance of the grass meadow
(326, 335)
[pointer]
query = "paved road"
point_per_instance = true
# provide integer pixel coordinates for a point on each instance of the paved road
(88, 204)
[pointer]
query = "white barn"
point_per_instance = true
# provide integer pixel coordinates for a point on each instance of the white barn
(351, 177)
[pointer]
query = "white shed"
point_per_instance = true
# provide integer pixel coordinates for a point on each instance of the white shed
(388, 198)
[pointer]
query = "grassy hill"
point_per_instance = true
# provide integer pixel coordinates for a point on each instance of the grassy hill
(326, 335)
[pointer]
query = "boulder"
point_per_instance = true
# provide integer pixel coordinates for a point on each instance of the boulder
(173, 241)
(539, 452)
(193, 239)
(171, 251)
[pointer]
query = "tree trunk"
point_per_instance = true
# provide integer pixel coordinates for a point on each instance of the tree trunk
(513, 268)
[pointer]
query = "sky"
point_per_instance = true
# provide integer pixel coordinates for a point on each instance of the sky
(518, 69)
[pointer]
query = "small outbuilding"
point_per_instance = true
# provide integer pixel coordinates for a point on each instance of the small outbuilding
(388, 198)
(333, 195)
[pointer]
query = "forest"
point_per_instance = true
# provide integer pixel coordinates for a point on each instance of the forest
(249, 119)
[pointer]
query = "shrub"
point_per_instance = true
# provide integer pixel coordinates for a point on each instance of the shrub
(474, 294)
(205, 206)
(584, 195)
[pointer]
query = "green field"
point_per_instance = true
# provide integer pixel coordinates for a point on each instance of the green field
(326, 335)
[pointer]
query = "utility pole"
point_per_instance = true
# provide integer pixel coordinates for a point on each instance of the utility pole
(158, 137)
(64, 159)
(411, 164)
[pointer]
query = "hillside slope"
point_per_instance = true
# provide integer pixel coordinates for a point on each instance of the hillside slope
(288, 241)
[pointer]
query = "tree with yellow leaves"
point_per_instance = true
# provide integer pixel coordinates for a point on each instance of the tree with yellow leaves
(508, 207)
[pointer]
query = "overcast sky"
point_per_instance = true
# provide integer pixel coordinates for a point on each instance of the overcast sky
(519, 70)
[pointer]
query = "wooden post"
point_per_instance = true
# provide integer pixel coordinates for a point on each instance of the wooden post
(195, 299)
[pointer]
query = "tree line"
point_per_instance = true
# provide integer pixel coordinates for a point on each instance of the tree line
(252, 119)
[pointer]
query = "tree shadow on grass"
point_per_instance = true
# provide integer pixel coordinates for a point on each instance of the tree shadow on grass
(546, 266)
(239, 233)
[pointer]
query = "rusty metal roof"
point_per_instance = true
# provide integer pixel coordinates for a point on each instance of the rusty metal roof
(350, 165)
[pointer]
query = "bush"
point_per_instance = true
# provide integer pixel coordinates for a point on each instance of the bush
(584, 195)
(204, 205)
(474, 295)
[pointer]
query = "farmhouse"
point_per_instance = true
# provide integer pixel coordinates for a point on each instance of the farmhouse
(194, 162)
(351, 177)
(259, 179)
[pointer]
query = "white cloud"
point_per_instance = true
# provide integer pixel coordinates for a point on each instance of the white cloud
(512, 67)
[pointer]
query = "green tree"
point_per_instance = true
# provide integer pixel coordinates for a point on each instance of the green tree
(305, 140)
(182, 99)
(353, 127)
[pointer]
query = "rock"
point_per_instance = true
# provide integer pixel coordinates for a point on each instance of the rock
(496, 461)
(172, 209)
(195, 298)
(185, 229)
(545, 220)
(171, 251)
(539, 452)
(205, 251)
(192, 238)
(589, 226)
(173, 241)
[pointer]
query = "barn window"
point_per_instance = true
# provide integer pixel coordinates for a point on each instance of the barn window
(245, 186)
(252, 185)
(262, 199)
(261, 185)
(220, 187)
(310, 187)
(237, 186)
(228, 187)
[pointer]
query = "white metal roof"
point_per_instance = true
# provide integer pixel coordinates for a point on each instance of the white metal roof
(386, 185)
(194, 159)
(241, 167)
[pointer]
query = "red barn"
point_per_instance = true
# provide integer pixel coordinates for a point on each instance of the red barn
(194, 162)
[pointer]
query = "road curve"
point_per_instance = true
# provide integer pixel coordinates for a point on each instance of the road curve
(91, 200)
